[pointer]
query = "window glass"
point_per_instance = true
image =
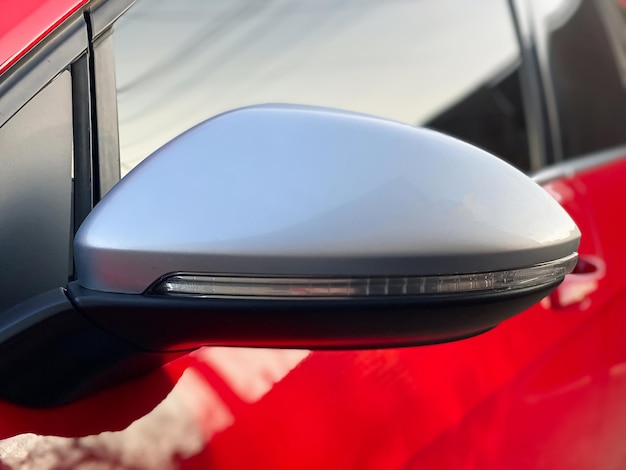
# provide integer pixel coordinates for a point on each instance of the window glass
(449, 64)
(583, 45)
(36, 194)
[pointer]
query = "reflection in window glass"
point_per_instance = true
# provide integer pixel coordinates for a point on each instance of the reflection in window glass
(36, 194)
(583, 44)
(179, 63)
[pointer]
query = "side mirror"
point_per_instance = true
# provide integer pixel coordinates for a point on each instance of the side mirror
(291, 226)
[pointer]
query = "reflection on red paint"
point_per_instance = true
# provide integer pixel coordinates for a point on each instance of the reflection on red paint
(196, 397)
(578, 286)
(250, 373)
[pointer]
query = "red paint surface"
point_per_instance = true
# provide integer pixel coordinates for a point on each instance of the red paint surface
(25, 23)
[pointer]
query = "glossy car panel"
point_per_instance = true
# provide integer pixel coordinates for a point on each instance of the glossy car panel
(23, 24)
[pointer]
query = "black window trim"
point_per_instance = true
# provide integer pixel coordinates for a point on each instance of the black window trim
(106, 153)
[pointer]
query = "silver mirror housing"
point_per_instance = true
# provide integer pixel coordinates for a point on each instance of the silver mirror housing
(305, 192)
(281, 203)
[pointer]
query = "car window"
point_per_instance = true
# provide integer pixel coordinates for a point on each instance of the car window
(581, 44)
(448, 64)
(36, 194)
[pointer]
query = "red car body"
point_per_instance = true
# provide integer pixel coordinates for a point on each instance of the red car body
(545, 389)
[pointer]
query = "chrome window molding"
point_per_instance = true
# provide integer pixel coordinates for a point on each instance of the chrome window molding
(105, 127)
(104, 13)
(583, 163)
